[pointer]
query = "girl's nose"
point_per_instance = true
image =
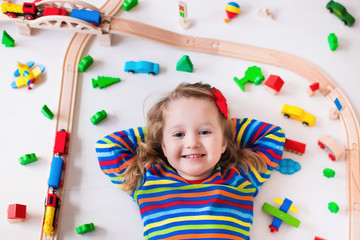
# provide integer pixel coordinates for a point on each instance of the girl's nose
(192, 141)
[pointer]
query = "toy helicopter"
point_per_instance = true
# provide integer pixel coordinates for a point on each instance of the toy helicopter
(26, 75)
(280, 215)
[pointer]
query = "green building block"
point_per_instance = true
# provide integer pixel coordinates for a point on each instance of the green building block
(281, 215)
(129, 4)
(329, 173)
(185, 64)
(85, 63)
(47, 112)
(333, 207)
(253, 75)
(103, 82)
(27, 158)
(333, 41)
(98, 117)
(88, 227)
(7, 40)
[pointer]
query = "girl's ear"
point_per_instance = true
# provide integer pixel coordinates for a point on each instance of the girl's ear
(163, 148)
(224, 146)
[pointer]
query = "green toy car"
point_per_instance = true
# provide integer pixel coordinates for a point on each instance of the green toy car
(340, 11)
(129, 4)
(98, 117)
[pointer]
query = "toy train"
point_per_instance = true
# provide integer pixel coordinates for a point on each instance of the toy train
(52, 201)
(30, 11)
(12, 10)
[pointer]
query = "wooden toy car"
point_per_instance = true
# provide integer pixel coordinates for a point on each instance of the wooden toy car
(340, 11)
(298, 114)
(142, 67)
(98, 117)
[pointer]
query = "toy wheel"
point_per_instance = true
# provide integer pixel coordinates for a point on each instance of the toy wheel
(321, 145)
(330, 10)
(332, 157)
(152, 73)
(29, 17)
(345, 22)
(286, 115)
(305, 123)
(131, 71)
(11, 15)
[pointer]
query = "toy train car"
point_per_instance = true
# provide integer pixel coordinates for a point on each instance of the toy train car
(48, 11)
(52, 203)
(57, 166)
(61, 142)
(12, 10)
(92, 17)
(294, 146)
(329, 144)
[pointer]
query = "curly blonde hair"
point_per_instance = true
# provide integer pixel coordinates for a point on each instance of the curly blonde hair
(150, 152)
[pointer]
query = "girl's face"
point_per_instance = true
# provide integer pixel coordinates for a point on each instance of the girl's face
(193, 138)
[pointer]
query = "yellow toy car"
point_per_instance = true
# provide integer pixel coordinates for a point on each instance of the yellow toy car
(298, 114)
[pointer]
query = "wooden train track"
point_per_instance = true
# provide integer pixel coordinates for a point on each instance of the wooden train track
(68, 94)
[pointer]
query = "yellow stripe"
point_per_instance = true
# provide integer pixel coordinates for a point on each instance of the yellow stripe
(108, 145)
(243, 185)
(232, 9)
(164, 181)
(242, 129)
(257, 175)
(197, 227)
(192, 218)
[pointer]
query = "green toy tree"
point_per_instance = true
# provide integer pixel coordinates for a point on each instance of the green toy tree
(184, 64)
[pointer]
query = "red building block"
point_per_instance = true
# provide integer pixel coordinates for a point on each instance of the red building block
(16, 212)
(313, 88)
(274, 83)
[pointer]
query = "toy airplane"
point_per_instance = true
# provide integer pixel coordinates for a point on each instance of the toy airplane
(26, 76)
(280, 215)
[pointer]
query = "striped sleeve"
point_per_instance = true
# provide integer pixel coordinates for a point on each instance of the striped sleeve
(265, 139)
(116, 151)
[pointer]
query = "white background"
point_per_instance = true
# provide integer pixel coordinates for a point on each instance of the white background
(300, 28)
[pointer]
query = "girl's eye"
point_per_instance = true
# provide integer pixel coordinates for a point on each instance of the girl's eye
(178, 135)
(205, 132)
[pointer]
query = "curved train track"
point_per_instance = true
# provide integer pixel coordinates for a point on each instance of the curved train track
(280, 59)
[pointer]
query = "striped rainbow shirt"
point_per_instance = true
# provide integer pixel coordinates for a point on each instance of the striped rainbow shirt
(219, 208)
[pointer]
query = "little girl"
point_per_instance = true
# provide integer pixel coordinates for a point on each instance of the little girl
(193, 171)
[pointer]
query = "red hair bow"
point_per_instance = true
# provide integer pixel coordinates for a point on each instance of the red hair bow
(220, 102)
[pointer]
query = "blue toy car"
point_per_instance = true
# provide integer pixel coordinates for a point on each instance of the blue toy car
(142, 67)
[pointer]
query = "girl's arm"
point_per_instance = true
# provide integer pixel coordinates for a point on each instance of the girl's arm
(117, 150)
(265, 139)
